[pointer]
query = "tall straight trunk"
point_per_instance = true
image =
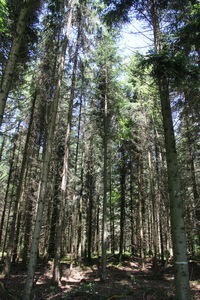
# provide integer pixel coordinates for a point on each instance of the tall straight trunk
(7, 223)
(64, 180)
(12, 59)
(69, 115)
(78, 205)
(2, 147)
(90, 183)
(7, 189)
(80, 212)
(14, 216)
(132, 215)
(81, 107)
(80, 198)
(97, 244)
(56, 199)
(122, 202)
(58, 240)
(12, 206)
(28, 219)
(19, 192)
(192, 162)
(16, 241)
(105, 179)
(46, 160)
(111, 218)
(159, 177)
(141, 210)
(40, 208)
(54, 207)
(154, 210)
(175, 195)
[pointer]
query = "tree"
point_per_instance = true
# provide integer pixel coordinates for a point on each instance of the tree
(26, 10)
(108, 96)
(51, 122)
(176, 206)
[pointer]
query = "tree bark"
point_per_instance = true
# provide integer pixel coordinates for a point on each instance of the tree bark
(14, 52)
(2, 146)
(122, 202)
(112, 216)
(105, 179)
(64, 179)
(175, 195)
(132, 204)
(7, 189)
(141, 210)
(46, 161)
(19, 192)
(90, 183)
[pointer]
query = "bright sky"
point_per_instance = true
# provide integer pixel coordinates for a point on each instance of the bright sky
(136, 36)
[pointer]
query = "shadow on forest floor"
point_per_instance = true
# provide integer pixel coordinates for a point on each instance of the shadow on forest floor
(125, 281)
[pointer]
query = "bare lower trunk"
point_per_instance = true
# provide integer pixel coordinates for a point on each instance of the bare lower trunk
(176, 199)
(64, 179)
(176, 202)
(7, 191)
(45, 166)
(90, 183)
(11, 243)
(105, 179)
(122, 203)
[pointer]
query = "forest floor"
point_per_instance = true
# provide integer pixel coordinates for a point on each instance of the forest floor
(125, 281)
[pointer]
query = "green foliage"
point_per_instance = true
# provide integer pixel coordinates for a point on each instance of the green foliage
(87, 287)
(117, 11)
(107, 71)
(166, 64)
(115, 196)
(125, 128)
(173, 66)
(3, 14)
(189, 34)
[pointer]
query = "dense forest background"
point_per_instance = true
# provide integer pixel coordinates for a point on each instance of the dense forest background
(100, 157)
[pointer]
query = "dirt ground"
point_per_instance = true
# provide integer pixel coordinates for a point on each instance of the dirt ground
(125, 281)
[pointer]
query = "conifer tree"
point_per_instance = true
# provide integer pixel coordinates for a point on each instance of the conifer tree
(153, 13)
(26, 12)
(51, 123)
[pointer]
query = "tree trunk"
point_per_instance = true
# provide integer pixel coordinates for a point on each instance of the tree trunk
(56, 198)
(122, 202)
(132, 215)
(28, 222)
(141, 210)
(154, 211)
(105, 179)
(80, 212)
(14, 52)
(176, 204)
(7, 190)
(112, 217)
(2, 146)
(175, 196)
(12, 228)
(46, 161)
(90, 183)
(17, 234)
(19, 192)
(64, 179)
